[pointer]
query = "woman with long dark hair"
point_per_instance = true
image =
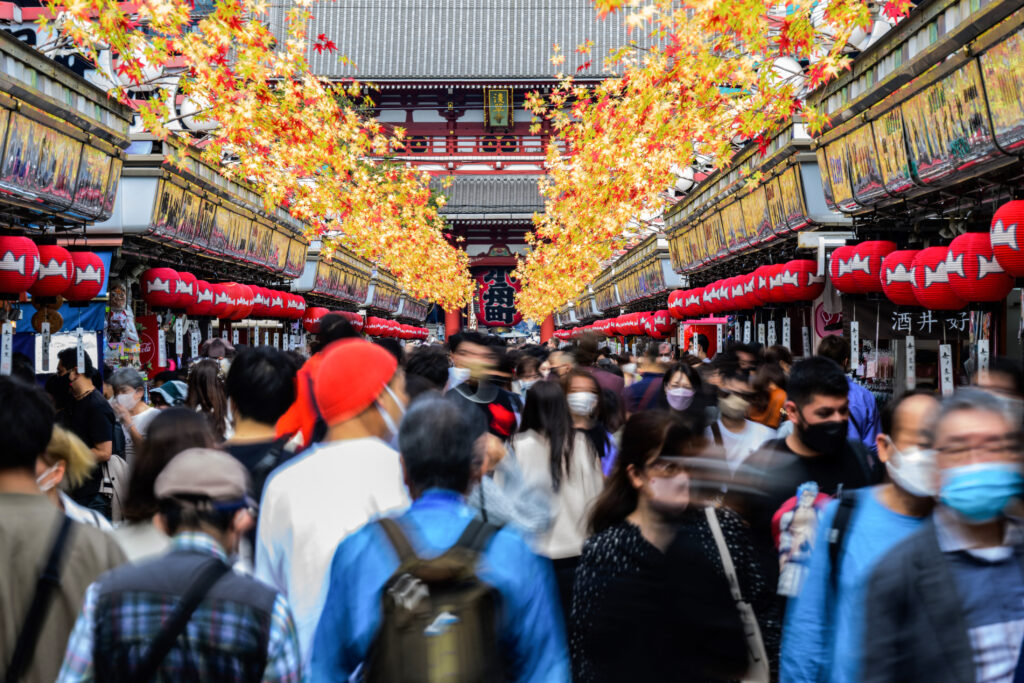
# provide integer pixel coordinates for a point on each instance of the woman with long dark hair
(169, 433)
(206, 395)
(682, 394)
(651, 599)
(556, 458)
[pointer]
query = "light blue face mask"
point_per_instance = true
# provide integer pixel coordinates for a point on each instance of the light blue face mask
(980, 492)
(389, 421)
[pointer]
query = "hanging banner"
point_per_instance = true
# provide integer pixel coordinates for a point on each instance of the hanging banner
(911, 365)
(193, 338)
(983, 351)
(807, 342)
(771, 333)
(234, 336)
(786, 334)
(277, 340)
(224, 332)
(80, 349)
(746, 331)
(6, 348)
(179, 335)
(45, 334)
(496, 290)
(161, 347)
(946, 369)
(855, 346)
(719, 334)
(760, 334)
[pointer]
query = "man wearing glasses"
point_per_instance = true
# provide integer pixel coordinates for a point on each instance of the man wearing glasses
(948, 603)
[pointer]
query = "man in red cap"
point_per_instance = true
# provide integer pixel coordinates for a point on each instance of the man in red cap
(314, 501)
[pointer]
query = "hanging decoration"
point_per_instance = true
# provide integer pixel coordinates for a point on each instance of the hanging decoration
(185, 289)
(867, 266)
(898, 277)
(88, 279)
(159, 287)
(56, 269)
(19, 264)
(496, 296)
(312, 317)
(1007, 238)
(931, 281)
(974, 273)
(203, 306)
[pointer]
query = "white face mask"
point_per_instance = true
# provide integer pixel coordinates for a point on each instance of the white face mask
(582, 403)
(457, 376)
(389, 421)
(913, 470)
(127, 401)
(629, 368)
(41, 482)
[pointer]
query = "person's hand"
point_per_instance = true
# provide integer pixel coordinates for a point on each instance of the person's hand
(122, 413)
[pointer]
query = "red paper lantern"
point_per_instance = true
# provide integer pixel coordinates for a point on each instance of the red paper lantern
(311, 320)
(675, 303)
(159, 287)
(1006, 238)
(898, 277)
(375, 327)
(660, 324)
(739, 293)
(55, 271)
(931, 281)
(841, 267)
(709, 298)
(223, 301)
(19, 264)
(974, 274)
(276, 305)
(761, 282)
(800, 281)
(295, 307)
(260, 302)
(753, 296)
(243, 302)
(693, 303)
(88, 279)
(203, 304)
(773, 278)
(185, 290)
(868, 257)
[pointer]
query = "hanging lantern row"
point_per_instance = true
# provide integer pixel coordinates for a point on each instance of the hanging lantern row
(657, 325)
(382, 327)
(48, 271)
(784, 283)
(168, 288)
(969, 270)
(311, 320)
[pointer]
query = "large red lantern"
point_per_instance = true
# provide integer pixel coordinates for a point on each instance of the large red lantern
(55, 271)
(374, 327)
(185, 290)
(203, 305)
(773, 276)
(311, 320)
(295, 307)
(1006, 238)
(801, 282)
(752, 295)
(19, 264)
(841, 268)
(931, 281)
(223, 301)
(693, 303)
(898, 277)
(868, 257)
(974, 274)
(277, 307)
(739, 293)
(260, 302)
(159, 287)
(243, 302)
(88, 279)
(660, 325)
(675, 303)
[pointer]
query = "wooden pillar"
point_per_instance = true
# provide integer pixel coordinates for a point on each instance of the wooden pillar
(547, 329)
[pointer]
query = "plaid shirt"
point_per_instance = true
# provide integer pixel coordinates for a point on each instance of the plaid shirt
(283, 659)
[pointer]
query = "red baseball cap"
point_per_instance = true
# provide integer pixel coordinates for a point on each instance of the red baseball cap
(352, 374)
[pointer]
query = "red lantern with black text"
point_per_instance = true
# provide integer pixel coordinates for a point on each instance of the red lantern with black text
(1006, 238)
(974, 274)
(931, 281)
(56, 270)
(898, 277)
(88, 279)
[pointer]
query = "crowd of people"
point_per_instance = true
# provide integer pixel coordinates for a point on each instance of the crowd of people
(487, 511)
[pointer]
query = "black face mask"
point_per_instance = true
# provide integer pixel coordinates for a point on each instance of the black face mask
(824, 437)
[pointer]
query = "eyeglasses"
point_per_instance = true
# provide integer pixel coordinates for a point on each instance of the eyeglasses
(666, 467)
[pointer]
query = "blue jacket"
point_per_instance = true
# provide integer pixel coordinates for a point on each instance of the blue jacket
(531, 622)
(864, 424)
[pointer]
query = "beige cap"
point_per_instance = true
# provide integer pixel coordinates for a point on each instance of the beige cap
(203, 472)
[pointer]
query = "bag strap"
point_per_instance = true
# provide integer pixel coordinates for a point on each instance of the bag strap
(161, 645)
(399, 541)
(716, 432)
(723, 551)
(476, 536)
(49, 580)
(837, 535)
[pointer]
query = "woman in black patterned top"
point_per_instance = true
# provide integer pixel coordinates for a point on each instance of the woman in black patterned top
(651, 601)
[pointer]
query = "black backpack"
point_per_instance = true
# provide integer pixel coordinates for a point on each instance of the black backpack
(439, 621)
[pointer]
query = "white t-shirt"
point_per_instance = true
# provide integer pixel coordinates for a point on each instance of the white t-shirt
(739, 447)
(309, 505)
(141, 422)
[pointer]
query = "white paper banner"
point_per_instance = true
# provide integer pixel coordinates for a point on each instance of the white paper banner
(746, 331)
(161, 347)
(193, 339)
(946, 369)
(234, 336)
(224, 332)
(277, 340)
(772, 339)
(179, 335)
(911, 364)
(6, 348)
(45, 355)
(786, 336)
(807, 342)
(295, 342)
(982, 355)
(719, 338)
(760, 334)
(855, 346)
(80, 349)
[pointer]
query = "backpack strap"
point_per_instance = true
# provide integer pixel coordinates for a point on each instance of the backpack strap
(161, 645)
(476, 536)
(716, 432)
(399, 541)
(837, 535)
(49, 580)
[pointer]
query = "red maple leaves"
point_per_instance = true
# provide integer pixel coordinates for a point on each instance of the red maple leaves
(324, 43)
